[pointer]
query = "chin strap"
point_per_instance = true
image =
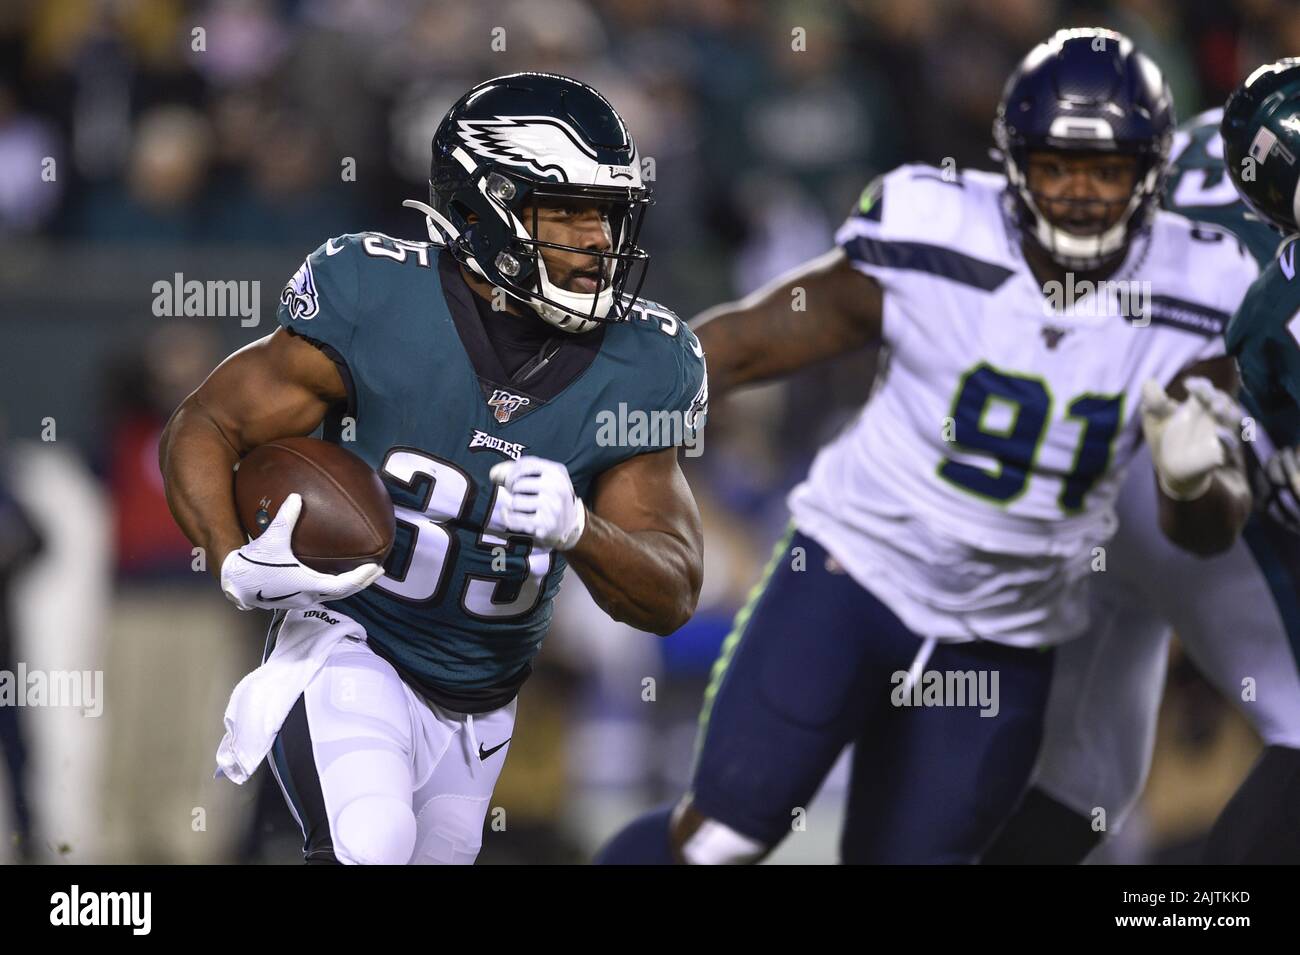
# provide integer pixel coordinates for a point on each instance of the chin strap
(1079, 251)
(568, 318)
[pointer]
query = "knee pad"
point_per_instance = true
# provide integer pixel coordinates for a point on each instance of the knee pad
(715, 843)
(375, 830)
(451, 830)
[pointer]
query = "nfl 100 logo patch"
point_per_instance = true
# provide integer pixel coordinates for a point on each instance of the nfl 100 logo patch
(505, 404)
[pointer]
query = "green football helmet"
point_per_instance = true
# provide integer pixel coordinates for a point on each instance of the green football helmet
(1261, 142)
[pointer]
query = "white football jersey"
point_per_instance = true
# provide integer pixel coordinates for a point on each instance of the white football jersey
(972, 491)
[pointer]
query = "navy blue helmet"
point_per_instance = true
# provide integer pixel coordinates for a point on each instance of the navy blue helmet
(1085, 90)
(532, 137)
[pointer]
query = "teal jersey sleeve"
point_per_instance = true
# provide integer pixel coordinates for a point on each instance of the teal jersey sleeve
(691, 397)
(1264, 337)
(322, 300)
(676, 391)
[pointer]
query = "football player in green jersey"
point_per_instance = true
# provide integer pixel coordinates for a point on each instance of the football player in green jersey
(1261, 150)
(524, 409)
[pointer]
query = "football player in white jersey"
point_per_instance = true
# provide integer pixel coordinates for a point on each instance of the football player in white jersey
(1237, 616)
(1036, 325)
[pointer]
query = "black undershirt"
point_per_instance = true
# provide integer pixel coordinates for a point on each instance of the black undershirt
(516, 339)
(522, 353)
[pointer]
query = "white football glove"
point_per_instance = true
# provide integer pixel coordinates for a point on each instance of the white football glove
(1190, 439)
(539, 501)
(265, 573)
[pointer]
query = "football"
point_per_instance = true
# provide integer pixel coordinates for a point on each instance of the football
(347, 516)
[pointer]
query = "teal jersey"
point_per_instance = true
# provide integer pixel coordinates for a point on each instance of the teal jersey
(1264, 337)
(1259, 335)
(463, 605)
(1199, 187)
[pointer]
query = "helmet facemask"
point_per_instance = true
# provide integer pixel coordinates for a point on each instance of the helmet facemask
(617, 268)
(1084, 251)
(493, 210)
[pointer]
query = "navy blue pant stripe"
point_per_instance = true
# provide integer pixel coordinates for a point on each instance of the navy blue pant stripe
(295, 768)
(295, 764)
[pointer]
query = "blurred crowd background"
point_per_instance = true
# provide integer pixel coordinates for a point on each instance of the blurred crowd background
(226, 140)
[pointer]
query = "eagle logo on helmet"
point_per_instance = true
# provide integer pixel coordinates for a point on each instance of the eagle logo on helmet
(542, 145)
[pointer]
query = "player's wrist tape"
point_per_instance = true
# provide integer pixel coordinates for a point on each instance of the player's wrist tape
(579, 527)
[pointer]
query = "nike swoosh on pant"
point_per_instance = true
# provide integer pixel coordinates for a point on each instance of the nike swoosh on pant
(485, 753)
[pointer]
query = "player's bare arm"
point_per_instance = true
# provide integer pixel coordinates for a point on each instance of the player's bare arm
(763, 336)
(642, 553)
(1208, 522)
(276, 387)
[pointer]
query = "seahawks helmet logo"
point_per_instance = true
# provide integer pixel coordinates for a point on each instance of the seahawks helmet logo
(299, 296)
(506, 404)
(544, 146)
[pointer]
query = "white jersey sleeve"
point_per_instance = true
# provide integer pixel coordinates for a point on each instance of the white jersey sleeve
(904, 242)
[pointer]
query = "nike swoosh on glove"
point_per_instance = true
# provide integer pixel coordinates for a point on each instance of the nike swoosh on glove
(1189, 439)
(265, 573)
(539, 501)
